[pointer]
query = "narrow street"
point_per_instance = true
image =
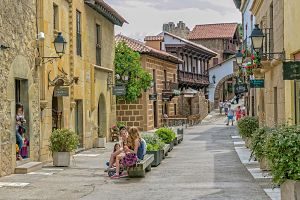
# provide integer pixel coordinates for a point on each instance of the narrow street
(204, 166)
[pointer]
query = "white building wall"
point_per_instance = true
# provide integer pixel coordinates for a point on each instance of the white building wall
(220, 71)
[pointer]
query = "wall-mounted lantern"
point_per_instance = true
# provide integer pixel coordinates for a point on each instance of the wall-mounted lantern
(239, 58)
(257, 38)
(214, 79)
(60, 47)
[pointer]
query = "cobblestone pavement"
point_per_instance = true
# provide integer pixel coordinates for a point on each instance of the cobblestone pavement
(204, 166)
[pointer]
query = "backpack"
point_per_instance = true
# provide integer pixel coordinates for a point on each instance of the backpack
(142, 149)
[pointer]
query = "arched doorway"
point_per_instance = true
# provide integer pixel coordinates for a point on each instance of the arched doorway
(102, 117)
(221, 91)
(57, 111)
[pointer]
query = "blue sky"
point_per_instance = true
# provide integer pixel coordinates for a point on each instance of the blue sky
(146, 17)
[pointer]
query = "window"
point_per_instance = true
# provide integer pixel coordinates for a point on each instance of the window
(78, 33)
(215, 61)
(18, 91)
(174, 78)
(175, 109)
(55, 17)
(154, 80)
(165, 79)
(98, 45)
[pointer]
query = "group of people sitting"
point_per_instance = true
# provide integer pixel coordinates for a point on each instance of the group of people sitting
(130, 149)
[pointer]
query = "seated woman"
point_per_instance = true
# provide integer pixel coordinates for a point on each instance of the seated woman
(123, 141)
(131, 151)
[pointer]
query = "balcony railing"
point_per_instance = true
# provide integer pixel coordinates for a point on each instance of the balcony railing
(229, 48)
(190, 77)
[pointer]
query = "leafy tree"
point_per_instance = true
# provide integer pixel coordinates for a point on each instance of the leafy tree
(128, 63)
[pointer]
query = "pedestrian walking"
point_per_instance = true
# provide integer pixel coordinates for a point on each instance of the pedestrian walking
(238, 113)
(226, 107)
(221, 103)
(237, 99)
(230, 115)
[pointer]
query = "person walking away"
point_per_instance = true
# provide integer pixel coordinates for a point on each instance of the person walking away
(226, 107)
(221, 107)
(230, 115)
(238, 113)
(237, 99)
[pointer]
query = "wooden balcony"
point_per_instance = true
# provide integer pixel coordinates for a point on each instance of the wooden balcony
(230, 48)
(193, 79)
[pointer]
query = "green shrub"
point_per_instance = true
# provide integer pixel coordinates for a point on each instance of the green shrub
(153, 142)
(63, 140)
(247, 126)
(283, 151)
(166, 135)
(258, 143)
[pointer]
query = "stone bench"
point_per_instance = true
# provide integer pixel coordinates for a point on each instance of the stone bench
(141, 167)
(28, 167)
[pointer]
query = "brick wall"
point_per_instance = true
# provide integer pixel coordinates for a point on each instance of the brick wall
(141, 113)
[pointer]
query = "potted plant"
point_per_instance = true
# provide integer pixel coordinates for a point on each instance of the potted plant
(284, 154)
(154, 146)
(167, 136)
(101, 140)
(62, 143)
(247, 126)
(258, 147)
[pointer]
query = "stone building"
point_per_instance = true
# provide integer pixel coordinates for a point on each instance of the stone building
(147, 113)
(19, 80)
(87, 106)
(222, 38)
(180, 30)
(270, 102)
(192, 74)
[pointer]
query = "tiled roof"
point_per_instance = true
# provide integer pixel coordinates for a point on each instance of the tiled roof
(142, 48)
(154, 38)
(199, 46)
(107, 11)
(212, 31)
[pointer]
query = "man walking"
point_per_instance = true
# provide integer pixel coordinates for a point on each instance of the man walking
(230, 115)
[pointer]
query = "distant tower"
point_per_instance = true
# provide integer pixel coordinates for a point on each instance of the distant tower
(180, 30)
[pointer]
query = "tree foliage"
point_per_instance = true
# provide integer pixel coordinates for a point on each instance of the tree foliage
(128, 63)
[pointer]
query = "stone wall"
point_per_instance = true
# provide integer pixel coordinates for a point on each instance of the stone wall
(18, 31)
(180, 30)
(193, 106)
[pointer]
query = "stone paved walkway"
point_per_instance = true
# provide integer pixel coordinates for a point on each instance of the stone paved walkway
(205, 166)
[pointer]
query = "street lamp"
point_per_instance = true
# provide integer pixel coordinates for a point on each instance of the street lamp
(214, 79)
(239, 57)
(59, 45)
(257, 38)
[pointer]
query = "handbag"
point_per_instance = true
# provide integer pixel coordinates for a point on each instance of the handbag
(130, 160)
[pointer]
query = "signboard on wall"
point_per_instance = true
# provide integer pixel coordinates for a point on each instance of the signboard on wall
(240, 88)
(257, 83)
(291, 70)
(119, 90)
(61, 92)
(152, 97)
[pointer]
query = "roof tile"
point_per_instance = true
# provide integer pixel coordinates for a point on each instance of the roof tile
(142, 48)
(212, 31)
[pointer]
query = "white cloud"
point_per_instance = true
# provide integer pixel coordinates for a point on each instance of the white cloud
(146, 17)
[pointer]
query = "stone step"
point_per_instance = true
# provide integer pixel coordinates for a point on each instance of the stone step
(28, 167)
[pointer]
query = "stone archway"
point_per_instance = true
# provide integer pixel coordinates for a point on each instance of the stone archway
(102, 116)
(218, 88)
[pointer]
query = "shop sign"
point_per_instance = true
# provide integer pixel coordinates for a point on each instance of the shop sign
(61, 92)
(291, 70)
(166, 97)
(257, 83)
(240, 88)
(152, 97)
(119, 90)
